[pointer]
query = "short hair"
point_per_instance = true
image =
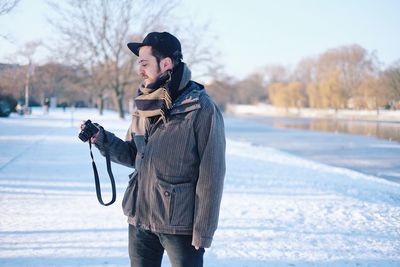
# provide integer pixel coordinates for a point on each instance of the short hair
(159, 56)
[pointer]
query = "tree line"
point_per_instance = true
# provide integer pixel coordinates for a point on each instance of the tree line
(342, 77)
(92, 66)
(90, 62)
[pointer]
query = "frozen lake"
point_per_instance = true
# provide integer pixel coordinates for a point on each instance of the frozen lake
(384, 129)
(349, 147)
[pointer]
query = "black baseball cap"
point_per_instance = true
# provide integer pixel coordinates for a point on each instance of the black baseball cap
(164, 42)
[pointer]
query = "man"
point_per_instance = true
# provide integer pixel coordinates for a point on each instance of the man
(176, 143)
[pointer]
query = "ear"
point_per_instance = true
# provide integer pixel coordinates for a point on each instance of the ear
(166, 64)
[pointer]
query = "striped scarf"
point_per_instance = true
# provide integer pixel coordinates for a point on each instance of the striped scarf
(156, 99)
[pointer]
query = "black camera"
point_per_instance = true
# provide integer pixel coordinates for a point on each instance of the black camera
(89, 129)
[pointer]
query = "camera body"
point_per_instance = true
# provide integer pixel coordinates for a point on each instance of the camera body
(88, 130)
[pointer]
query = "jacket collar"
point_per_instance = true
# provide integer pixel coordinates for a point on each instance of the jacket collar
(189, 100)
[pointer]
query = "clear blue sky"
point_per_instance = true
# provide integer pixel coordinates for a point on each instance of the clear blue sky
(254, 33)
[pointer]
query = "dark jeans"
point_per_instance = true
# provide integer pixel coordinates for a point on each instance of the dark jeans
(146, 249)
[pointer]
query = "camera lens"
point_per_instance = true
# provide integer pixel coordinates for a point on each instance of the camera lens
(83, 136)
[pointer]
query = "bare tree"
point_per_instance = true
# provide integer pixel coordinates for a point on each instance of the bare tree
(5, 7)
(27, 53)
(61, 81)
(352, 64)
(290, 94)
(251, 90)
(332, 91)
(276, 73)
(199, 53)
(95, 34)
(12, 81)
(306, 70)
(222, 92)
(391, 80)
(333, 79)
(373, 93)
(279, 94)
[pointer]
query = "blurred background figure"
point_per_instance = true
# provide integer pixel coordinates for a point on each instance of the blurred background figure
(46, 105)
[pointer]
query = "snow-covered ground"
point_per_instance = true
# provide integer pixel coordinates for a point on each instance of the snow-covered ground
(269, 110)
(277, 209)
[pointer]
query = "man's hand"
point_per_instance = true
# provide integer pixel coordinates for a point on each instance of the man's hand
(94, 137)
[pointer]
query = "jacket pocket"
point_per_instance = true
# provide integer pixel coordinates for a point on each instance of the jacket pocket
(174, 203)
(183, 204)
(129, 200)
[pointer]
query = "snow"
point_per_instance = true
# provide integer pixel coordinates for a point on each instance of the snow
(262, 109)
(277, 209)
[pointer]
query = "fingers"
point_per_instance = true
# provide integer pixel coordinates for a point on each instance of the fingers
(94, 138)
(82, 125)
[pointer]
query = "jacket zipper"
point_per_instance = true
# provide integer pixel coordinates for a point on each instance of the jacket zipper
(149, 127)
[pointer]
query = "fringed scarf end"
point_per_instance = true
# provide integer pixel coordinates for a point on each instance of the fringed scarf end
(167, 99)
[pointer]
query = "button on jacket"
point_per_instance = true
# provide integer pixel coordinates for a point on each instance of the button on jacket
(179, 164)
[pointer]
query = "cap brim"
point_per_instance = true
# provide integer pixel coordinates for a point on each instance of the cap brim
(134, 47)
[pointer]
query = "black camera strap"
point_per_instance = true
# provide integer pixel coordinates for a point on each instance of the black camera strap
(96, 175)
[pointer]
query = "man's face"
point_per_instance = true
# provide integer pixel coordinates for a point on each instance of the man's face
(148, 67)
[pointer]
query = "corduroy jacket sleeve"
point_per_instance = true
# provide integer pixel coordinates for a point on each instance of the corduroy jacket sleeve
(121, 152)
(210, 136)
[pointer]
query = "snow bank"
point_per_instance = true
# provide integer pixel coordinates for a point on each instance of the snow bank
(269, 110)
